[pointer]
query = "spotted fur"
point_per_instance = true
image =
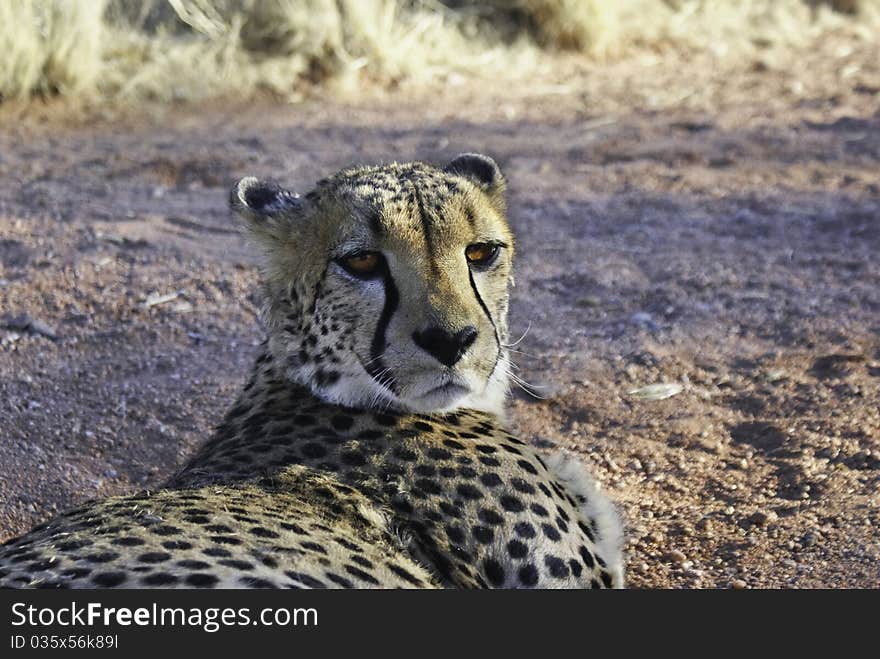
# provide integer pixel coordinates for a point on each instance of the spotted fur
(359, 453)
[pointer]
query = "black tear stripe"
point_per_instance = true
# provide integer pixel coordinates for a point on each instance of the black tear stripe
(376, 365)
(427, 230)
(489, 316)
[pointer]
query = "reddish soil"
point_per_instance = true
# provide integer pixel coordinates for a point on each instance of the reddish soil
(678, 221)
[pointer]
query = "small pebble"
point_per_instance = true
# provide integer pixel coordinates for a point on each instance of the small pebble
(809, 539)
(775, 376)
(738, 584)
(643, 319)
(24, 322)
(676, 556)
(761, 518)
(43, 329)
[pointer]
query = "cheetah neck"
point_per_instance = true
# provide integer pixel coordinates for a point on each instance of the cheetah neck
(276, 423)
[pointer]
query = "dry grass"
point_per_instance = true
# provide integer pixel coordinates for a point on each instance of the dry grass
(168, 50)
(50, 47)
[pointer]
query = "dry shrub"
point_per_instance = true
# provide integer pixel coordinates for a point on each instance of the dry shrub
(170, 50)
(204, 48)
(50, 47)
(605, 28)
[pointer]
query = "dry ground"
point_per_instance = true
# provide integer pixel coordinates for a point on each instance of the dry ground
(678, 221)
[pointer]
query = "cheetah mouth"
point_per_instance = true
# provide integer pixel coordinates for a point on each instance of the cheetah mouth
(441, 396)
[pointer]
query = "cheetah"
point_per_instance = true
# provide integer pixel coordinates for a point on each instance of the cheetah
(368, 448)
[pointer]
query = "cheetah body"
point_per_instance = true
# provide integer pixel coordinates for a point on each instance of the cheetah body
(365, 450)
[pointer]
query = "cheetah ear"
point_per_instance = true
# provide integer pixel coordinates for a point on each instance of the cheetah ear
(267, 207)
(480, 170)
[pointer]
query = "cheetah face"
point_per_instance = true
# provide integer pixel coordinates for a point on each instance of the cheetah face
(387, 287)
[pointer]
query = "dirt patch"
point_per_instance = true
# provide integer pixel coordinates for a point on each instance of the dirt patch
(723, 238)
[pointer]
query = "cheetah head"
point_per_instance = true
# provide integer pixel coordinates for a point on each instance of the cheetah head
(387, 287)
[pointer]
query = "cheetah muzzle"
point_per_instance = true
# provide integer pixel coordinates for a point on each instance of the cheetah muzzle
(367, 448)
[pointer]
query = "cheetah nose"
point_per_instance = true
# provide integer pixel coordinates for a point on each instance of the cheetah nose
(446, 347)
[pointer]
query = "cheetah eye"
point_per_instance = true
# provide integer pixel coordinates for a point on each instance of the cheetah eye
(481, 254)
(364, 265)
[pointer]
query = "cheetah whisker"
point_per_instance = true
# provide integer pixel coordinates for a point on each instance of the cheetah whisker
(519, 340)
